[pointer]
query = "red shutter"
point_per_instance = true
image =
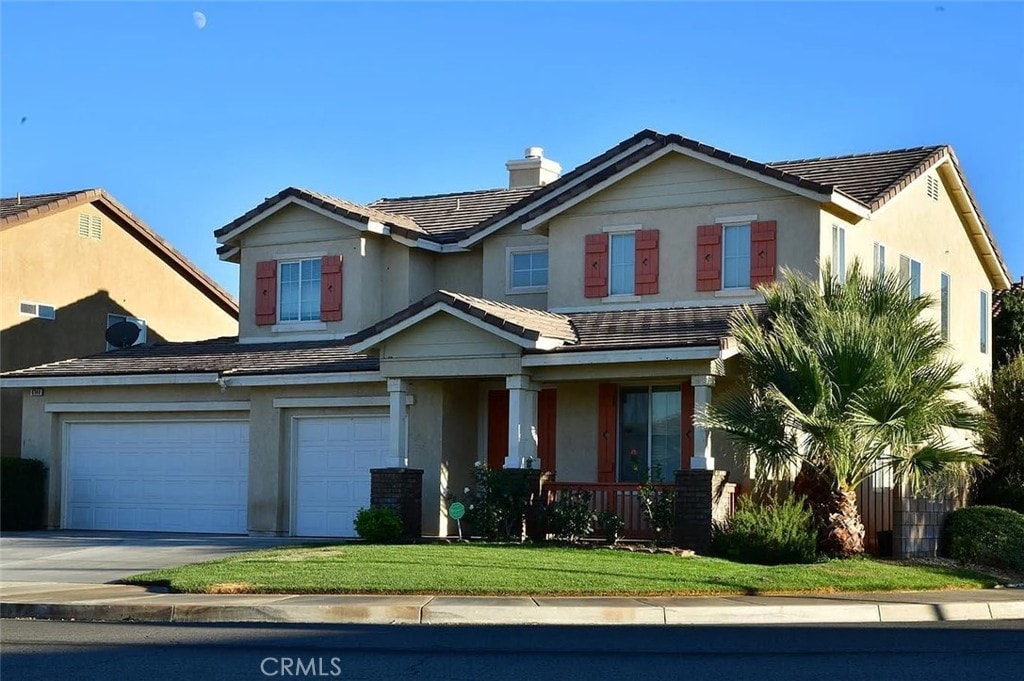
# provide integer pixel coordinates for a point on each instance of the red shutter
(762, 253)
(687, 440)
(709, 257)
(607, 431)
(497, 428)
(330, 288)
(595, 266)
(646, 266)
(266, 292)
(547, 401)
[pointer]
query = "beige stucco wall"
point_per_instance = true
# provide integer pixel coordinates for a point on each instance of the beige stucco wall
(675, 195)
(932, 233)
(461, 272)
(46, 261)
(443, 346)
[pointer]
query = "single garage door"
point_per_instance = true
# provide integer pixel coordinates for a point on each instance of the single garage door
(168, 476)
(332, 477)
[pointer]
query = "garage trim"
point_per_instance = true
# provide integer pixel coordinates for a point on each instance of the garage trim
(293, 456)
(117, 407)
(65, 453)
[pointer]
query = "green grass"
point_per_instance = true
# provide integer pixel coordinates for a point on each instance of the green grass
(488, 569)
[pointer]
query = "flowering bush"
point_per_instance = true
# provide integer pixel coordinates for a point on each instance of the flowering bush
(497, 507)
(570, 516)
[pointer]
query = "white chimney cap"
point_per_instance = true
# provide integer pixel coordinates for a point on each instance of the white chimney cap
(534, 152)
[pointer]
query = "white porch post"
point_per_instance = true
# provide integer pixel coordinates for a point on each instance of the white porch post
(398, 421)
(522, 422)
(702, 459)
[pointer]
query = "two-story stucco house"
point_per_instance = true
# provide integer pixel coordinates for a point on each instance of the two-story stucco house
(570, 322)
(74, 263)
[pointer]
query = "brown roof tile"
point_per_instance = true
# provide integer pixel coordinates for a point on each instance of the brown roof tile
(450, 217)
(23, 206)
(225, 356)
(657, 328)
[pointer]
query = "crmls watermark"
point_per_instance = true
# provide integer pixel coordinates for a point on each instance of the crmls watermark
(298, 666)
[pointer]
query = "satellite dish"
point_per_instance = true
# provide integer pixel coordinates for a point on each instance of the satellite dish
(123, 334)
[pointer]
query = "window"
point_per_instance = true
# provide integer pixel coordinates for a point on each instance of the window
(839, 252)
(299, 295)
(38, 310)
(527, 270)
(879, 258)
(910, 273)
(141, 323)
(944, 305)
(736, 256)
(650, 432)
(622, 264)
(983, 312)
(90, 226)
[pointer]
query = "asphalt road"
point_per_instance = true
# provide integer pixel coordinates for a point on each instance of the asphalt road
(56, 650)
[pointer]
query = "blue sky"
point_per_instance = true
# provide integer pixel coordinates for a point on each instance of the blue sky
(191, 127)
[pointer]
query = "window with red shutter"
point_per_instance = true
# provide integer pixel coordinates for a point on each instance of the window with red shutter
(709, 257)
(266, 292)
(762, 252)
(646, 270)
(595, 266)
(330, 288)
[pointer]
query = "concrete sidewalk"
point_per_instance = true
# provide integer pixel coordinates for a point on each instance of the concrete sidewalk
(113, 602)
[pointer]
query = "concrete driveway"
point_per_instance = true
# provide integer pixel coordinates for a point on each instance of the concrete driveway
(100, 557)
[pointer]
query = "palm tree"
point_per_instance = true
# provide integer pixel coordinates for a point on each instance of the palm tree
(846, 379)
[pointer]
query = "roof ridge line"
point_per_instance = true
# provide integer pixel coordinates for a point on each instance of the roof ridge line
(862, 154)
(459, 193)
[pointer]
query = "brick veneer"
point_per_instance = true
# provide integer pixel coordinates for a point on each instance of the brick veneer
(401, 490)
(701, 501)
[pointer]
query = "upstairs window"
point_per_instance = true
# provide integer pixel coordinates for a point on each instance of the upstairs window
(299, 292)
(622, 264)
(527, 270)
(736, 256)
(38, 310)
(141, 323)
(878, 257)
(984, 310)
(944, 305)
(839, 252)
(910, 272)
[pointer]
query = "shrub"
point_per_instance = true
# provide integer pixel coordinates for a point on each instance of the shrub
(22, 493)
(985, 535)
(610, 525)
(768, 533)
(497, 508)
(1002, 436)
(378, 525)
(657, 505)
(570, 516)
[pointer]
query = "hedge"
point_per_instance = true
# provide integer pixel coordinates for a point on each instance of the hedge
(986, 535)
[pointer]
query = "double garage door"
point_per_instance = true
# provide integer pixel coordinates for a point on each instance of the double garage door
(192, 476)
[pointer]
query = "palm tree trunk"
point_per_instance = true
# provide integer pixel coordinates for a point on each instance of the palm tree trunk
(840, 530)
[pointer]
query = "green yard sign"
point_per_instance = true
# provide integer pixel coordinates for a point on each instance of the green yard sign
(456, 511)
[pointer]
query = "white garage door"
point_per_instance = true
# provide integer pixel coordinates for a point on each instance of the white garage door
(332, 477)
(170, 476)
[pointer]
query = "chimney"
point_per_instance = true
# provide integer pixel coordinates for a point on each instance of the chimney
(532, 171)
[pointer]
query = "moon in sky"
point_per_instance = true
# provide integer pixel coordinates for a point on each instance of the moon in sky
(200, 20)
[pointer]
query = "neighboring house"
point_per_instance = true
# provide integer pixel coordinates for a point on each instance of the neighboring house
(574, 322)
(74, 263)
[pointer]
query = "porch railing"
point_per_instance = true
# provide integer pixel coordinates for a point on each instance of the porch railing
(623, 498)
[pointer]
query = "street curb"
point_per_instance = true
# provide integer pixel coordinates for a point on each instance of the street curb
(523, 611)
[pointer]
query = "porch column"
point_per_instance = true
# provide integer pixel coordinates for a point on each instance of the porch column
(702, 459)
(398, 422)
(522, 422)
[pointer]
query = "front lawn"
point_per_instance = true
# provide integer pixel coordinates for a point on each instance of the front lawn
(488, 569)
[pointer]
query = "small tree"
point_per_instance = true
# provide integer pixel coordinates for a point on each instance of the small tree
(1007, 324)
(846, 378)
(1001, 435)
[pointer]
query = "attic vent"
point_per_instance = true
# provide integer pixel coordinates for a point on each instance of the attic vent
(933, 188)
(90, 226)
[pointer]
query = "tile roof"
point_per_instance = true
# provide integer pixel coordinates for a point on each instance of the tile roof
(866, 177)
(663, 327)
(23, 205)
(225, 356)
(15, 210)
(450, 217)
(525, 322)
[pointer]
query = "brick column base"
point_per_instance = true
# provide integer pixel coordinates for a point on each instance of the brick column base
(701, 501)
(401, 490)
